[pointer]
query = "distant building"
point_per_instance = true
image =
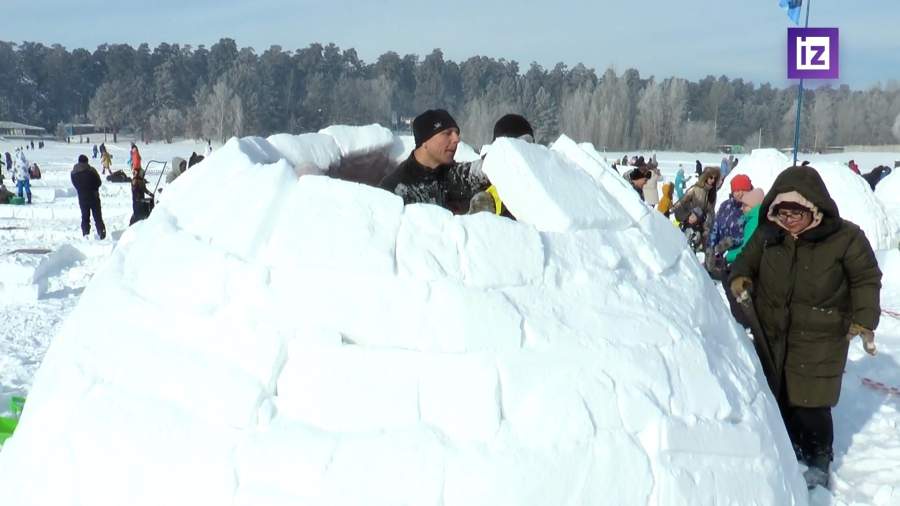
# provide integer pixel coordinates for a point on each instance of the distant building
(73, 129)
(13, 130)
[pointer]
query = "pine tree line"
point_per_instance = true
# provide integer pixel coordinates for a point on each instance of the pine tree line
(175, 90)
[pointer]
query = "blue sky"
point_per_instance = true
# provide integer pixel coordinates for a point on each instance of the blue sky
(687, 38)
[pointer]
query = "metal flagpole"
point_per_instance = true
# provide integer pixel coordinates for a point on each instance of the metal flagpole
(800, 98)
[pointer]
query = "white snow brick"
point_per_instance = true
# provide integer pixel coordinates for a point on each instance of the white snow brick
(545, 189)
(350, 389)
(428, 242)
(618, 197)
(289, 461)
(498, 252)
(337, 225)
(460, 396)
(359, 140)
(311, 153)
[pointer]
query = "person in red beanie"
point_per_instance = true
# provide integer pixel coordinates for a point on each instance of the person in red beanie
(728, 229)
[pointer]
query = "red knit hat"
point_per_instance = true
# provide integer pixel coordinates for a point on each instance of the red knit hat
(741, 183)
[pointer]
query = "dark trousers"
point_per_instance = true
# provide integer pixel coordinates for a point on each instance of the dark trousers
(811, 430)
(91, 205)
(140, 210)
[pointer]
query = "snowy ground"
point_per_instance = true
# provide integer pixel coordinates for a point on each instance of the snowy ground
(866, 420)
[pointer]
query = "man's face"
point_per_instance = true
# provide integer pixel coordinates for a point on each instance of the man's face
(738, 195)
(639, 183)
(692, 219)
(441, 147)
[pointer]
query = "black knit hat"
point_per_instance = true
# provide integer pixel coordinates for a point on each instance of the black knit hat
(430, 122)
(512, 125)
(82, 159)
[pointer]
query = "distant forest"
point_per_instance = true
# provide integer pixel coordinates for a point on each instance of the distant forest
(220, 91)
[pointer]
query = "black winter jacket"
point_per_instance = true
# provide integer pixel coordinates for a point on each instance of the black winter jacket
(86, 181)
(449, 186)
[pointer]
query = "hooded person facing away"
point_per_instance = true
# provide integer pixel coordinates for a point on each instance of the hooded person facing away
(87, 183)
(815, 285)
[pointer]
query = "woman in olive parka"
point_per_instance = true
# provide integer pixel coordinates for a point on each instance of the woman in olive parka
(815, 285)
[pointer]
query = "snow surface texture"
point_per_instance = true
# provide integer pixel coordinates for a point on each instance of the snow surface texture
(854, 199)
(321, 343)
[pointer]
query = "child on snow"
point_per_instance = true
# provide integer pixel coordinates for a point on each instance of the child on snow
(106, 162)
(692, 228)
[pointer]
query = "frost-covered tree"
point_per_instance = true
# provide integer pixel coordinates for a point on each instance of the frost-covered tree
(896, 128)
(167, 124)
(222, 112)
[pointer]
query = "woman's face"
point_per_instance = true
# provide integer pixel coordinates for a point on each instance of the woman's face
(710, 181)
(794, 221)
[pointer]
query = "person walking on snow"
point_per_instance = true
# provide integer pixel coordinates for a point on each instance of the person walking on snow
(815, 284)
(106, 162)
(679, 183)
(87, 183)
(23, 176)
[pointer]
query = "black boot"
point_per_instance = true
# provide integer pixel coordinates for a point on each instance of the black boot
(818, 472)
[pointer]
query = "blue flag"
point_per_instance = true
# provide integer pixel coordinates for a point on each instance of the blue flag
(792, 7)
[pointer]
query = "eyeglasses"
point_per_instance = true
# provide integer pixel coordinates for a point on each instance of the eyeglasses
(790, 215)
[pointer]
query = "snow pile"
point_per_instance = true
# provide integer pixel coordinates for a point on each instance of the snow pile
(24, 274)
(888, 192)
(308, 153)
(324, 344)
(852, 193)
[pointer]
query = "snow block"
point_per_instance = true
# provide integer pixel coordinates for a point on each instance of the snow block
(350, 389)
(459, 395)
(545, 189)
(359, 140)
(222, 213)
(317, 207)
(308, 153)
(498, 252)
(428, 242)
(617, 195)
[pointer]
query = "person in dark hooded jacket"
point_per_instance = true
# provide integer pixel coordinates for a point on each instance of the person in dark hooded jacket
(87, 183)
(815, 285)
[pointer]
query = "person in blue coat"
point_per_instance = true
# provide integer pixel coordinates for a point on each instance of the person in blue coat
(679, 183)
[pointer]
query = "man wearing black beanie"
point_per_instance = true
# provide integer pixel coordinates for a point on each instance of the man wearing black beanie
(429, 175)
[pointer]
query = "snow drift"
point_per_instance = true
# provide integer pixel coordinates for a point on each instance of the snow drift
(321, 343)
(851, 193)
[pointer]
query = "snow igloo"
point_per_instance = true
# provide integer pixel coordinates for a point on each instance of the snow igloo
(283, 340)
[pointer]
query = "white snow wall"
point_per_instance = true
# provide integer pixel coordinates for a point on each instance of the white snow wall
(316, 342)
